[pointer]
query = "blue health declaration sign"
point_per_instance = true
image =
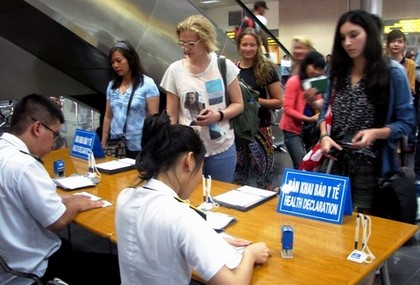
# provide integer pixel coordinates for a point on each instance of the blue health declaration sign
(85, 142)
(318, 196)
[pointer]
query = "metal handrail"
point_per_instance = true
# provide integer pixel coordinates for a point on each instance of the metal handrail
(249, 13)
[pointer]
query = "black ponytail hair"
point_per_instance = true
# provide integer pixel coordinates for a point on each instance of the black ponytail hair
(163, 143)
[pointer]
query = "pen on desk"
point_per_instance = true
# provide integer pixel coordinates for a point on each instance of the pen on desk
(209, 189)
(364, 232)
(206, 198)
(90, 168)
(204, 190)
(356, 234)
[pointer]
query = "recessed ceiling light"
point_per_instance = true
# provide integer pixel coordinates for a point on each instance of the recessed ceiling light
(209, 1)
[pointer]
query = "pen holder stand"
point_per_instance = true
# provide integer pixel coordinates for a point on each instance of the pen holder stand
(208, 203)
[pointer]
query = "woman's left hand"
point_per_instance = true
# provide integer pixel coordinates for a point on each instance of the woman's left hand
(364, 138)
(207, 117)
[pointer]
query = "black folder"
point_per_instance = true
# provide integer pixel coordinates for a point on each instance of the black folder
(117, 166)
(244, 198)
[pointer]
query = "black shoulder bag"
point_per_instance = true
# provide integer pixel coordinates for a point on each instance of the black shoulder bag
(395, 197)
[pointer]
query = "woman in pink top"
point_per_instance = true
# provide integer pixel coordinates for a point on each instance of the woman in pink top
(295, 103)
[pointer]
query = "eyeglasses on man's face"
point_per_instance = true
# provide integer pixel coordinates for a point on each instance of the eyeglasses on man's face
(56, 134)
(190, 45)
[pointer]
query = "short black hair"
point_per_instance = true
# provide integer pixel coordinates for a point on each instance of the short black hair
(35, 106)
(260, 4)
(395, 34)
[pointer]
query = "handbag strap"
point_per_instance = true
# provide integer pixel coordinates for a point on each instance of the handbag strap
(221, 63)
(128, 108)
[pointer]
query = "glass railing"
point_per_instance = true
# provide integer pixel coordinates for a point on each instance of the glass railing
(76, 114)
(6, 111)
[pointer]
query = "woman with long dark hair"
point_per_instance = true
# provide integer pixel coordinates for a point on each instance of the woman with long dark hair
(261, 75)
(128, 76)
(371, 105)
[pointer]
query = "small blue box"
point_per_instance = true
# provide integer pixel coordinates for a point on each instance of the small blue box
(59, 168)
(287, 237)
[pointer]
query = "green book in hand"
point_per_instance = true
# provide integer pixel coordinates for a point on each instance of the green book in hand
(319, 83)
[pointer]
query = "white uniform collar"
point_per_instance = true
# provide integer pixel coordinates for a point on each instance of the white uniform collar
(158, 185)
(15, 141)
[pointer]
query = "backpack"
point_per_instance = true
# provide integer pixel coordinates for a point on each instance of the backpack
(246, 22)
(246, 124)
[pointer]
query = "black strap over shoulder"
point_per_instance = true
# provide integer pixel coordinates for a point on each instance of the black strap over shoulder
(221, 63)
(128, 108)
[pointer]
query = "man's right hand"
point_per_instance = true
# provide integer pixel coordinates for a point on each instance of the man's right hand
(82, 203)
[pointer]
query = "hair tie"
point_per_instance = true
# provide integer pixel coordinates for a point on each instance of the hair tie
(122, 45)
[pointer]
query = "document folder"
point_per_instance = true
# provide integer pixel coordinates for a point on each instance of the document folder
(73, 182)
(244, 198)
(116, 166)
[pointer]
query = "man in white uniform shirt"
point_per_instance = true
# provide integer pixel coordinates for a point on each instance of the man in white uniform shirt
(31, 211)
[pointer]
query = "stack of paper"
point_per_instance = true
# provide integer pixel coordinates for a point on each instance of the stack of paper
(244, 198)
(116, 166)
(73, 182)
(94, 198)
(219, 221)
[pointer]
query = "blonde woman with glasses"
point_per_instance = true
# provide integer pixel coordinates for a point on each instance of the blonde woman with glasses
(198, 72)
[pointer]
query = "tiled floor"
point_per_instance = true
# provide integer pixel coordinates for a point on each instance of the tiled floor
(403, 266)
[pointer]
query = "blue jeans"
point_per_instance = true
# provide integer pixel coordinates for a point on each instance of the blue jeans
(221, 166)
(295, 147)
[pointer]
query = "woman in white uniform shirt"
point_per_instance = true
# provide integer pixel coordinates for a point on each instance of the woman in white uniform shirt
(160, 238)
